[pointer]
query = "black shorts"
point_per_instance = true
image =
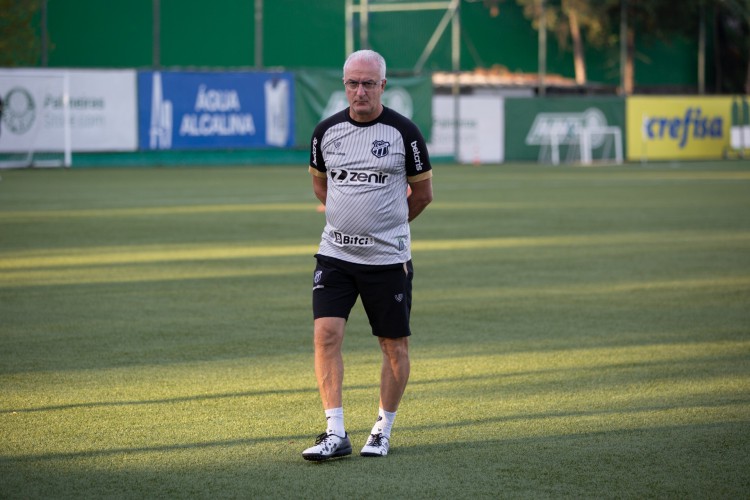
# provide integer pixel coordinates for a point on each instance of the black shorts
(385, 292)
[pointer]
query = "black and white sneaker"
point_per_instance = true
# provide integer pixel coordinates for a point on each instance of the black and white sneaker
(376, 446)
(328, 446)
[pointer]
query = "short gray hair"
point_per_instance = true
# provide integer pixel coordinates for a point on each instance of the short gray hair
(368, 56)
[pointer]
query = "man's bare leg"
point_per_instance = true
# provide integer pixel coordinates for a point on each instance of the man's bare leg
(328, 336)
(394, 375)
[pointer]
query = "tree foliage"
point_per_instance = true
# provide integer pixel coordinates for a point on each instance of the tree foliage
(20, 43)
(732, 45)
(663, 20)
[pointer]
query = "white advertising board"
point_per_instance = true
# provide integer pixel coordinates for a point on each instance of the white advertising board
(481, 129)
(102, 110)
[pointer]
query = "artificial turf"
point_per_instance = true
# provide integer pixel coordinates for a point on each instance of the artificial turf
(578, 332)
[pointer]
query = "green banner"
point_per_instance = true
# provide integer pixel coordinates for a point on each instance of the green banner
(320, 93)
(532, 124)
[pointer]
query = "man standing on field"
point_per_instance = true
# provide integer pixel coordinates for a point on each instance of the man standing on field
(362, 161)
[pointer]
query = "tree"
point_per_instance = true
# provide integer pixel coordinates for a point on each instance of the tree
(572, 21)
(613, 24)
(731, 21)
(571, 8)
(19, 44)
(659, 19)
(565, 18)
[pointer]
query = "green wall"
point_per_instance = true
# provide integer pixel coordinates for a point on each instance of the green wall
(97, 34)
(306, 33)
(311, 34)
(207, 33)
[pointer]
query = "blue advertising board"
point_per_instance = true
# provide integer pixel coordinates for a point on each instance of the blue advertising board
(204, 110)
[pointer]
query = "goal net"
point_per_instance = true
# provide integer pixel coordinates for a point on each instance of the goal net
(585, 146)
(576, 137)
(35, 124)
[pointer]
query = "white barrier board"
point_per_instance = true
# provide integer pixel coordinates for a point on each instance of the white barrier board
(102, 110)
(481, 129)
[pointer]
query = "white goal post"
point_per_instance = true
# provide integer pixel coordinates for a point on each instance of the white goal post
(584, 137)
(35, 125)
(365, 8)
(585, 146)
(606, 140)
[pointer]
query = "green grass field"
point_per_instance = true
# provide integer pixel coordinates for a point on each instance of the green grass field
(578, 332)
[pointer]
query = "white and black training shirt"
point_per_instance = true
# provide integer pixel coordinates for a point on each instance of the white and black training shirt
(367, 166)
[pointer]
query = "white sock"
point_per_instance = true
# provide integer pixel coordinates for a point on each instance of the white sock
(335, 418)
(384, 423)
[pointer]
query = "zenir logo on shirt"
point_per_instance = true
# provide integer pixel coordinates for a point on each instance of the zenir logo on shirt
(380, 148)
(341, 176)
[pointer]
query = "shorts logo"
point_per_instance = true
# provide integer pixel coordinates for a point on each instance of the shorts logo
(318, 275)
(399, 297)
(341, 176)
(380, 148)
(340, 239)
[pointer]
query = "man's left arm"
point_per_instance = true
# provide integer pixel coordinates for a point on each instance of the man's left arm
(320, 185)
(421, 196)
(418, 170)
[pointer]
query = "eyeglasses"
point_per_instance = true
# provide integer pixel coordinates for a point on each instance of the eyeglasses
(367, 84)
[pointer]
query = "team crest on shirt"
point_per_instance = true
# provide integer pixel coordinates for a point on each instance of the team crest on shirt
(380, 148)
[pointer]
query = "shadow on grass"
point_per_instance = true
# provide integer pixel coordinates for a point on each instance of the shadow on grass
(232, 395)
(466, 423)
(729, 362)
(677, 461)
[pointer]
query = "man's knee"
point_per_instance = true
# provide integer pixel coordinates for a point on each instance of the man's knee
(329, 332)
(395, 349)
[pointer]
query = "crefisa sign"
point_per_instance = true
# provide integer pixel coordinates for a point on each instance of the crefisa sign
(194, 110)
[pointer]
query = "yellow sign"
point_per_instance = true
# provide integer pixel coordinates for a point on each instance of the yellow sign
(684, 127)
